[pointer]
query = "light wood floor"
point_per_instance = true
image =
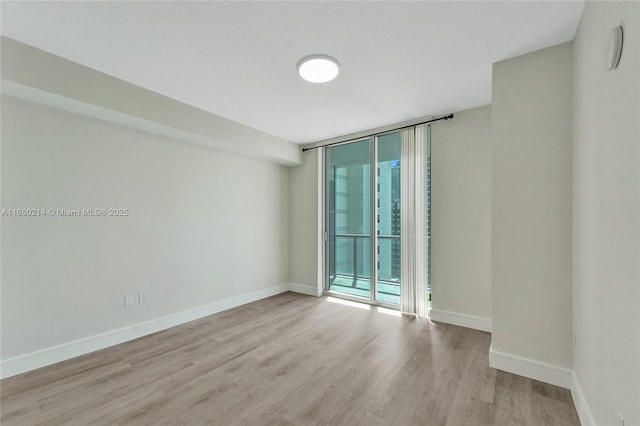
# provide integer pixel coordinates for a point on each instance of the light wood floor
(288, 360)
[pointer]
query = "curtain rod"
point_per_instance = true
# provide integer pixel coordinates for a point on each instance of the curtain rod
(444, 117)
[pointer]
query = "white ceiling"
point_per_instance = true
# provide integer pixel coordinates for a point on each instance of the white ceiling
(399, 60)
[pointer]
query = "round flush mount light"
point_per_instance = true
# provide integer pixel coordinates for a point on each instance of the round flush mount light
(318, 68)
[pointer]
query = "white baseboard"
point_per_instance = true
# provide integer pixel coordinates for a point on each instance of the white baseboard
(529, 368)
(304, 289)
(579, 400)
(463, 320)
(31, 361)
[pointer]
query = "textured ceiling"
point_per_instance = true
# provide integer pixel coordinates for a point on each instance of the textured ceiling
(400, 60)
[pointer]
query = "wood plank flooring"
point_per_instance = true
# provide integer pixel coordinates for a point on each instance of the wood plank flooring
(288, 360)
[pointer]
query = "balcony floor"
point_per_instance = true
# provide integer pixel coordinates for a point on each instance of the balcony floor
(387, 292)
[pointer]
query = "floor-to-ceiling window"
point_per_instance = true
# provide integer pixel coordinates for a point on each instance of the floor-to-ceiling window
(388, 218)
(364, 211)
(378, 218)
(349, 218)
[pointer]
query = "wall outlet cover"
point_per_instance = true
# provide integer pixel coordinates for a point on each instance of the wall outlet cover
(128, 300)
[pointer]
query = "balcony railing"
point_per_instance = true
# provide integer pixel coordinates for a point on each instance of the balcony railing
(388, 264)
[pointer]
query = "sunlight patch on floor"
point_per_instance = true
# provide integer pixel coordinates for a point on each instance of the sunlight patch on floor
(349, 303)
(388, 311)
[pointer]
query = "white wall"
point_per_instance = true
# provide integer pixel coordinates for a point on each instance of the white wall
(531, 207)
(606, 227)
(461, 218)
(305, 225)
(204, 226)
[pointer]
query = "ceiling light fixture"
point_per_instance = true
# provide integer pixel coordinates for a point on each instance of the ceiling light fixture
(318, 68)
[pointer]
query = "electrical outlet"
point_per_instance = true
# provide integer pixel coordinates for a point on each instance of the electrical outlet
(129, 300)
(440, 288)
(142, 297)
(573, 338)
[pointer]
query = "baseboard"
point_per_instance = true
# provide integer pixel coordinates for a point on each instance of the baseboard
(31, 361)
(304, 289)
(579, 400)
(463, 320)
(529, 368)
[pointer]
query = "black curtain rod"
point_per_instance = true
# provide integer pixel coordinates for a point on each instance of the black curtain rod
(444, 117)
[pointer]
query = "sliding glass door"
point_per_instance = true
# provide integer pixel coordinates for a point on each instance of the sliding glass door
(349, 219)
(388, 217)
(378, 219)
(363, 219)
